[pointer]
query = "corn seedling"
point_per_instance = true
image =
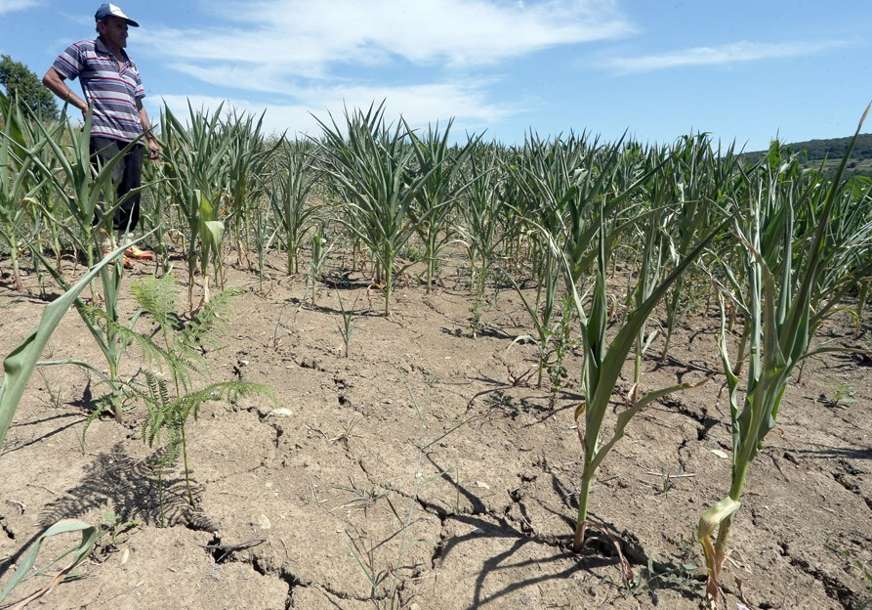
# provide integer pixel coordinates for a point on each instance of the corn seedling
(843, 397)
(544, 177)
(195, 163)
(541, 316)
(157, 213)
(603, 359)
(374, 169)
(699, 179)
(783, 230)
(289, 200)
(346, 326)
(19, 365)
(247, 158)
(435, 202)
(478, 228)
(320, 250)
(264, 235)
(16, 179)
(90, 536)
(651, 266)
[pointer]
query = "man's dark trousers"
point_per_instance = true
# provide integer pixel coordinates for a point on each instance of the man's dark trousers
(127, 175)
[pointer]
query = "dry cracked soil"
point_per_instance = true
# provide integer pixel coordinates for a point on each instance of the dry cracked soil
(427, 471)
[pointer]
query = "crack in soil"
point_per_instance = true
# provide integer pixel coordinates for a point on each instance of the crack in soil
(842, 479)
(702, 418)
(517, 497)
(264, 418)
(219, 556)
(834, 588)
(6, 529)
(342, 385)
(854, 488)
(439, 549)
(283, 574)
(630, 546)
(682, 460)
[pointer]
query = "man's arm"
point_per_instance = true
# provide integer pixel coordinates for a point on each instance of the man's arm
(151, 140)
(55, 82)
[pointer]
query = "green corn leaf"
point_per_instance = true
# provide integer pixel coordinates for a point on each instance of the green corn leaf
(90, 534)
(19, 365)
(713, 517)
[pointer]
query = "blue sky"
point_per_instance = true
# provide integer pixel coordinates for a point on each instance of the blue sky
(741, 70)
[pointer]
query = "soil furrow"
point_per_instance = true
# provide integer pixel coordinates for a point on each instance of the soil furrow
(834, 588)
(6, 529)
(701, 417)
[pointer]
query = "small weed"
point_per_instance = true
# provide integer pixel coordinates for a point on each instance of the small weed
(842, 398)
(320, 250)
(362, 498)
(854, 565)
(659, 576)
(347, 322)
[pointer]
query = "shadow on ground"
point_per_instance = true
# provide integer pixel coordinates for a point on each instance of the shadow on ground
(137, 490)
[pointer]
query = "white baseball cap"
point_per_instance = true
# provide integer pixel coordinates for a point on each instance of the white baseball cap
(112, 10)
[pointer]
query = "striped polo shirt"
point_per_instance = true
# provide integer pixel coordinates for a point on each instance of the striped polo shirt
(111, 88)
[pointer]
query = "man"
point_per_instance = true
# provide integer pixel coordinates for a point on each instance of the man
(113, 93)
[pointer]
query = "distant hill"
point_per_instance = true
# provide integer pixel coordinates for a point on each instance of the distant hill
(830, 152)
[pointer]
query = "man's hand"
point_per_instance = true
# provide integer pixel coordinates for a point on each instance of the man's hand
(55, 82)
(153, 149)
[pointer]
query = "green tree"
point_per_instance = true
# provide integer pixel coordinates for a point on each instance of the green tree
(20, 82)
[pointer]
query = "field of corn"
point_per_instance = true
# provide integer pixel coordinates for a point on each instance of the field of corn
(387, 367)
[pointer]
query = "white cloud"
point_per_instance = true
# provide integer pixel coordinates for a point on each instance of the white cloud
(305, 37)
(250, 78)
(464, 99)
(8, 6)
(418, 104)
(293, 51)
(742, 51)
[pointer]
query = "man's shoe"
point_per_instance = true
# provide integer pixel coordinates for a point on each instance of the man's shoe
(125, 260)
(140, 255)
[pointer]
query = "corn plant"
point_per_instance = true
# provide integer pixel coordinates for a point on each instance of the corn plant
(247, 158)
(784, 229)
(604, 358)
(543, 178)
(90, 535)
(347, 325)
(91, 198)
(289, 199)
(194, 169)
(16, 181)
(159, 214)
(47, 229)
(19, 365)
(478, 227)
(435, 202)
(373, 168)
(653, 233)
(847, 264)
(264, 234)
(700, 179)
(651, 269)
(320, 250)
(22, 186)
